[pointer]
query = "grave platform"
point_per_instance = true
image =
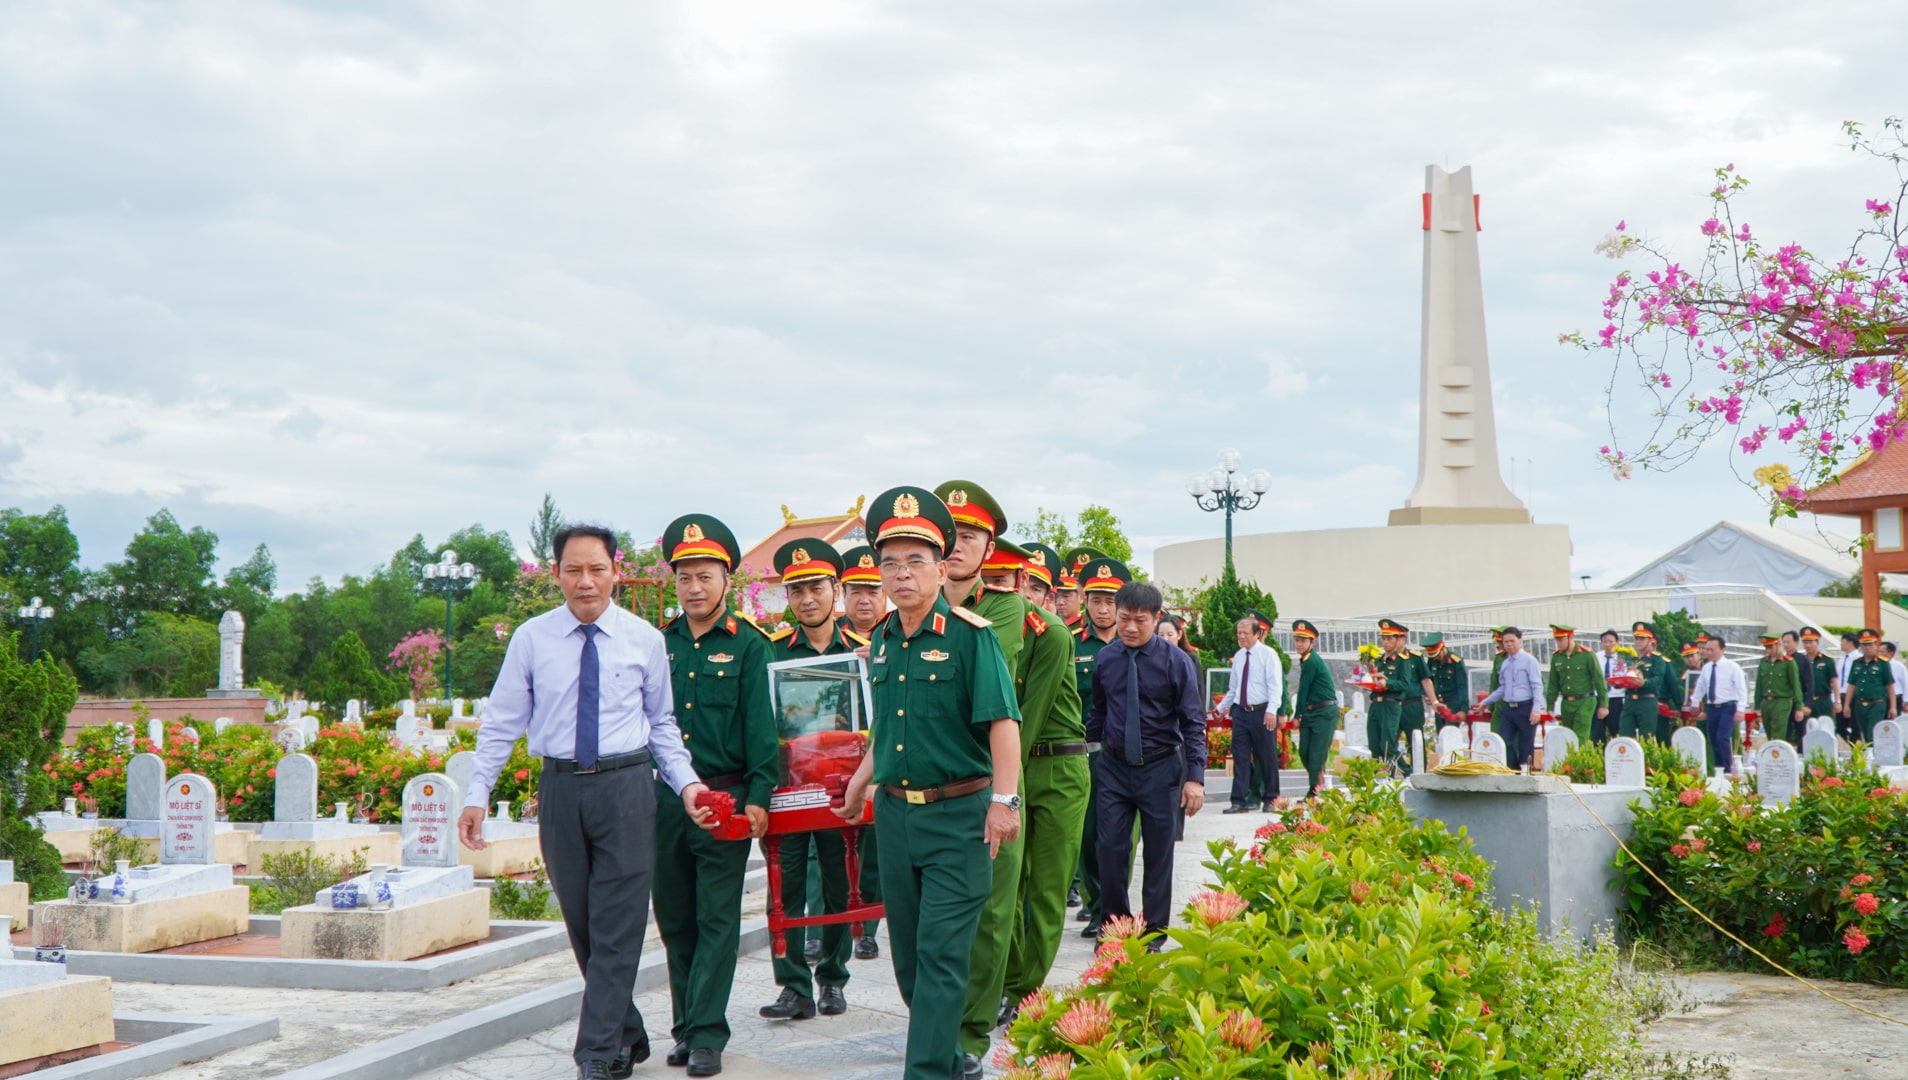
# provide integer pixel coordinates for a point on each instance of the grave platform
(149, 925)
(54, 1015)
(396, 933)
(14, 901)
(71, 836)
(1544, 848)
(503, 855)
(380, 846)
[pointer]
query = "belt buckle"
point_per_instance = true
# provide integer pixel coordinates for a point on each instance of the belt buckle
(916, 798)
(594, 768)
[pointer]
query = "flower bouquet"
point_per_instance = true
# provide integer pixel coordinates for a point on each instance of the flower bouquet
(1365, 673)
(1626, 680)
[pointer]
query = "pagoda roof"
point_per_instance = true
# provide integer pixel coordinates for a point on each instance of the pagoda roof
(1877, 478)
(839, 530)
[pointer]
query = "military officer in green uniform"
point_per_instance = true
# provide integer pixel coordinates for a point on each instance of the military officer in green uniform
(945, 767)
(1662, 685)
(1041, 578)
(810, 571)
(1315, 703)
(1055, 784)
(1069, 597)
(1819, 692)
(864, 605)
(1399, 707)
(717, 669)
(1497, 668)
(1870, 694)
(1448, 677)
(1778, 689)
(1097, 630)
(1575, 687)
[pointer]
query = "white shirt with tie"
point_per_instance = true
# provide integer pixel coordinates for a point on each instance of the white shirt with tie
(1264, 681)
(1721, 682)
(536, 693)
(1610, 664)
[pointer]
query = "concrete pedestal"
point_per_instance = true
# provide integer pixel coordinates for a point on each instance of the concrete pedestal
(399, 933)
(383, 847)
(55, 1017)
(13, 901)
(150, 925)
(502, 856)
(74, 845)
(1544, 848)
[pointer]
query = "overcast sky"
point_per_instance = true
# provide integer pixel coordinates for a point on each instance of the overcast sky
(326, 275)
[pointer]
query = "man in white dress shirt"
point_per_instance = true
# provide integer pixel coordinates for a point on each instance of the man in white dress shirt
(1604, 728)
(589, 683)
(1257, 682)
(1721, 691)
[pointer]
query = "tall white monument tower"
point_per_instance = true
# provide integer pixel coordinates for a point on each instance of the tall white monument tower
(1458, 478)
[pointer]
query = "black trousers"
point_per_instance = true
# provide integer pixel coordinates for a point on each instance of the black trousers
(1256, 753)
(1520, 738)
(1149, 792)
(598, 833)
(1602, 731)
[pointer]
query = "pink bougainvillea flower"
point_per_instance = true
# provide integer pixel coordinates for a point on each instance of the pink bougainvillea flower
(1086, 1022)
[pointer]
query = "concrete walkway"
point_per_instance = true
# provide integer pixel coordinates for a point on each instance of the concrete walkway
(865, 1043)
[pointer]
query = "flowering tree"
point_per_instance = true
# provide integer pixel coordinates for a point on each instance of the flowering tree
(415, 659)
(1759, 340)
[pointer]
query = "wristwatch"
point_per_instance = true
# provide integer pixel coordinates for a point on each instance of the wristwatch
(1011, 802)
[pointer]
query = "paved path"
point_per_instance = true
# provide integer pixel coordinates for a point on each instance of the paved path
(865, 1043)
(1770, 1027)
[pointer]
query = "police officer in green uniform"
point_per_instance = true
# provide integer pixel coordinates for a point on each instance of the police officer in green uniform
(1870, 695)
(1819, 692)
(1575, 685)
(1448, 677)
(1399, 707)
(1662, 685)
(717, 668)
(864, 606)
(945, 768)
(1315, 703)
(1096, 631)
(810, 571)
(1778, 689)
(1055, 784)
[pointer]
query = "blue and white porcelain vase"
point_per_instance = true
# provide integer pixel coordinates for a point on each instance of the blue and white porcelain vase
(122, 885)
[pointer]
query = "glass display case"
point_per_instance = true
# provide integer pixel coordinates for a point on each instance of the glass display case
(822, 710)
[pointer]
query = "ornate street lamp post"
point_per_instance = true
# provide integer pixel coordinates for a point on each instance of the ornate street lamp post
(36, 614)
(1224, 489)
(448, 575)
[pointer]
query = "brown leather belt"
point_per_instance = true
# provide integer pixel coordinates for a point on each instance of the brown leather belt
(724, 780)
(922, 796)
(1060, 749)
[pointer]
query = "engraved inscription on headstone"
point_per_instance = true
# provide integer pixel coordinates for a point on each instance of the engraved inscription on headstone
(430, 831)
(1623, 763)
(296, 794)
(1490, 747)
(1777, 775)
(145, 787)
(191, 814)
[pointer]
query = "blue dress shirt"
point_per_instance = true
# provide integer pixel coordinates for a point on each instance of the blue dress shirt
(1518, 681)
(536, 692)
(1172, 702)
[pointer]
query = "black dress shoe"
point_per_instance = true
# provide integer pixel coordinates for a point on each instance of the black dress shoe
(1073, 898)
(1237, 808)
(592, 1070)
(790, 1006)
(867, 948)
(1089, 932)
(1265, 807)
(624, 1064)
(830, 1001)
(678, 1056)
(1083, 915)
(705, 1061)
(970, 1067)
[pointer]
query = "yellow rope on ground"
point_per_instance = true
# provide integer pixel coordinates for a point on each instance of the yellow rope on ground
(1474, 767)
(1712, 922)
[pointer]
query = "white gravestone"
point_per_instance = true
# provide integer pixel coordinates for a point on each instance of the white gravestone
(1559, 741)
(6, 871)
(1820, 742)
(411, 729)
(232, 651)
(431, 803)
(1778, 773)
(1888, 749)
(220, 725)
(190, 734)
(354, 712)
(1690, 745)
(156, 732)
(1478, 731)
(483, 703)
(1623, 763)
(122, 737)
(145, 787)
(457, 709)
(1417, 765)
(1450, 739)
(1355, 740)
(1490, 747)
(295, 795)
(191, 816)
(1820, 723)
(457, 767)
(291, 740)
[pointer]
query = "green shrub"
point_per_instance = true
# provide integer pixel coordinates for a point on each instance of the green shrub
(1815, 885)
(35, 861)
(1584, 765)
(1350, 940)
(513, 899)
(294, 878)
(110, 845)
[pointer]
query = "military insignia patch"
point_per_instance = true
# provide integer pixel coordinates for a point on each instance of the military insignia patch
(867, 562)
(800, 558)
(934, 656)
(907, 506)
(722, 658)
(692, 534)
(956, 498)
(1104, 572)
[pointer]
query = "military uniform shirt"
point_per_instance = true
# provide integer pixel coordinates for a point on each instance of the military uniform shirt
(1315, 689)
(1050, 706)
(722, 701)
(1403, 674)
(936, 694)
(1660, 677)
(1086, 650)
(1777, 681)
(1448, 678)
(1576, 674)
(1870, 680)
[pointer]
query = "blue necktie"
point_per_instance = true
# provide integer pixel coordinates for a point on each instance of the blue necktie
(1133, 756)
(588, 699)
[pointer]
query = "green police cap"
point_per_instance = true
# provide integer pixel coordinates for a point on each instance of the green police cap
(799, 560)
(1104, 575)
(970, 504)
(1007, 556)
(1044, 563)
(910, 513)
(699, 536)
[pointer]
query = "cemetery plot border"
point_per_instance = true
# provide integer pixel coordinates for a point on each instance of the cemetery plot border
(165, 1041)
